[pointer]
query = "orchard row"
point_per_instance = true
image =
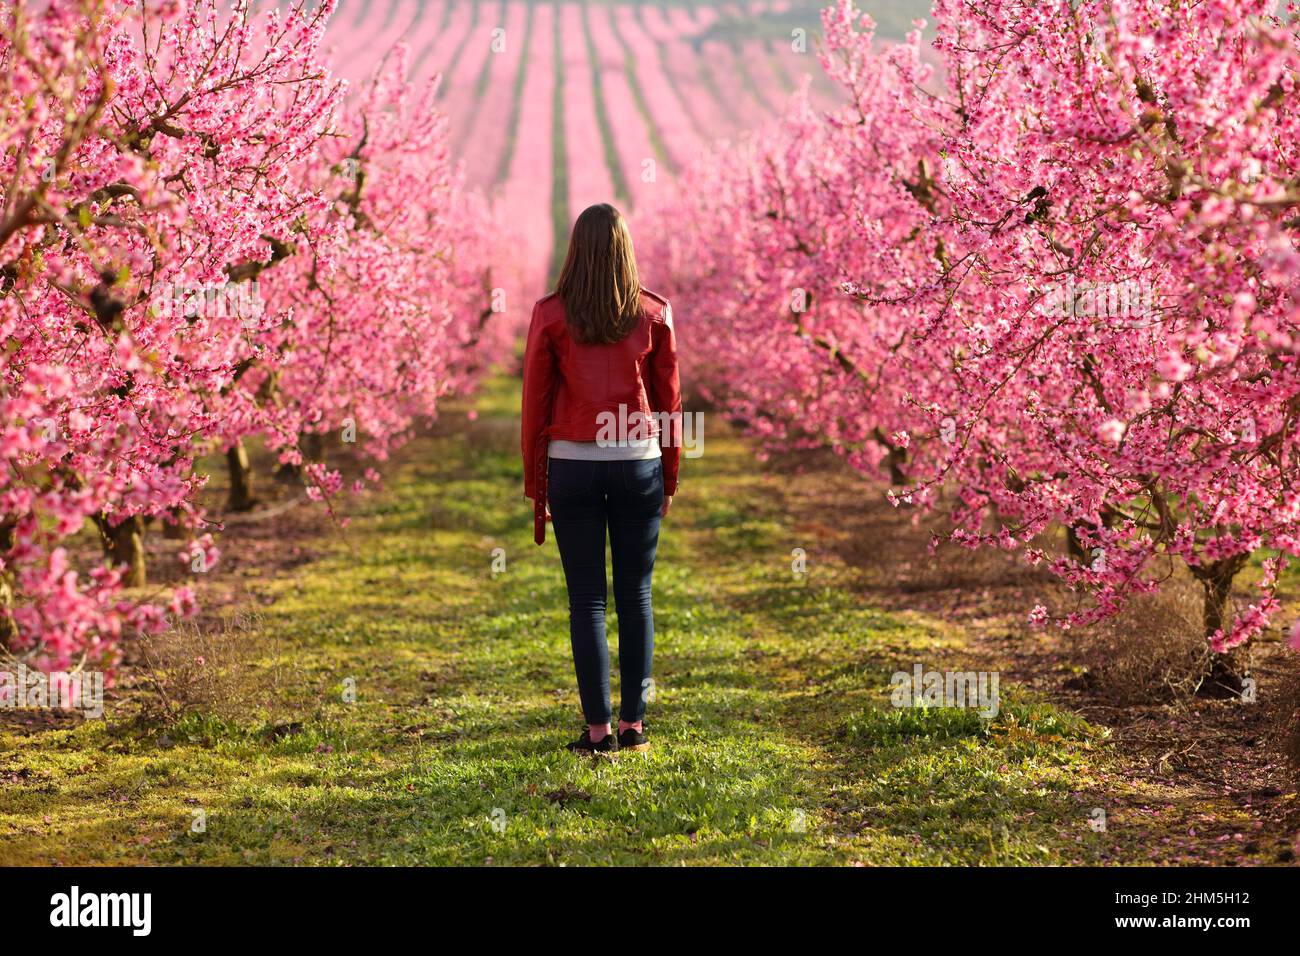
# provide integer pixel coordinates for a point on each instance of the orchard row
(1049, 280)
(206, 238)
(228, 222)
(556, 106)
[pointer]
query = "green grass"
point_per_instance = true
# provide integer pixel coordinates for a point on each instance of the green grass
(774, 741)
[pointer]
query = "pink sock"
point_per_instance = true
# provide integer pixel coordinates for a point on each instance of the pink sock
(597, 732)
(624, 725)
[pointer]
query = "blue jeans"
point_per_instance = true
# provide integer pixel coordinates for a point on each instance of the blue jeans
(585, 497)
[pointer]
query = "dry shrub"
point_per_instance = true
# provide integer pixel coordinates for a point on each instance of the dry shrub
(1152, 652)
(226, 669)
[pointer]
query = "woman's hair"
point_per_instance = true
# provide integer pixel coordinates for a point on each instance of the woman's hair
(598, 284)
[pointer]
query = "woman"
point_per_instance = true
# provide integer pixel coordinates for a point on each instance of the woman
(601, 440)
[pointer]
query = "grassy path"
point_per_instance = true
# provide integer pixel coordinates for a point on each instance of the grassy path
(774, 741)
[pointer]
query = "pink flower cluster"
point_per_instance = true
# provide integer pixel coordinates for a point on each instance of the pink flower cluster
(153, 148)
(887, 277)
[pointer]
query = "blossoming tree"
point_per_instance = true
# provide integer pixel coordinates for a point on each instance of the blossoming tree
(983, 213)
(181, 267)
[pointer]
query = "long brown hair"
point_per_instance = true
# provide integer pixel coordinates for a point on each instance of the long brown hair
(599, 285)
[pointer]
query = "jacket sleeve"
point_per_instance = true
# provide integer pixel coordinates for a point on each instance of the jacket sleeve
(539, 398)
(666, 397)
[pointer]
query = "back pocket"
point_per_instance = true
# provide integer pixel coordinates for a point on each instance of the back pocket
(644, 477)
(568, 478)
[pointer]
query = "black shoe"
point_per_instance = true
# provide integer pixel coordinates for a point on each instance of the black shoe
(584, 746)
(632, 739)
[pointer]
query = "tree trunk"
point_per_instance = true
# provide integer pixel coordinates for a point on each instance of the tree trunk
(1227, 670)
(8, 631)
(1227, 674)
(288, 474)
(124, 546)
(312, 445)
(1073, 546)
(241, 479)
(896, 458)
(173, 530)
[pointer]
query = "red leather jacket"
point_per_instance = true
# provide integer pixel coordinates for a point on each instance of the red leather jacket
(571, 389)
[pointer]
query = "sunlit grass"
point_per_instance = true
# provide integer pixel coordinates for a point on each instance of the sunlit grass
(773, 739)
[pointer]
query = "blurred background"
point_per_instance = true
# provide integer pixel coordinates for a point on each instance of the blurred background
(554, 106)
